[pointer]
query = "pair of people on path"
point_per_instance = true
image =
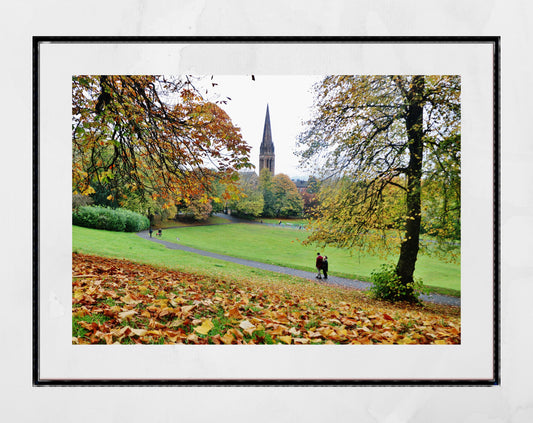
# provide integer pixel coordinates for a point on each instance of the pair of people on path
(321, 265)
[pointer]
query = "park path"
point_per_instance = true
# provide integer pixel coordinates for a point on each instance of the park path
(332, 280)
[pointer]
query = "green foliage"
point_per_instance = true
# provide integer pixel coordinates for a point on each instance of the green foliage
(441, 194)
(120, 220)
(251, 203)
(106, 194)
(288, 201)
(217, 190)
(265, 186)
(351, 215)
(280, 195)
(386, 285)
(145, 205)
(267, 196)
(251, 206)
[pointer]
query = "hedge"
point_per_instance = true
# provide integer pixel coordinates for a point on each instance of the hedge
(99, 217)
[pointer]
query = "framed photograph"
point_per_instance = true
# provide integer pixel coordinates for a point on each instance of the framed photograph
(266, 211)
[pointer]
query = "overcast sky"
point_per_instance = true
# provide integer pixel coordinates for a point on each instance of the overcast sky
(289, 98)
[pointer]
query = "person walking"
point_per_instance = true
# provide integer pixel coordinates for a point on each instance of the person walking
(325, 267)
(319, 261)
(151, 231)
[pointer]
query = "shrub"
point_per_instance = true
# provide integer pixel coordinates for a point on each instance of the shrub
(386, 285)
(99, 217)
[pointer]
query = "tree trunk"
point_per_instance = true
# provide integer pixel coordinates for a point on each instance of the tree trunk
(409, 248)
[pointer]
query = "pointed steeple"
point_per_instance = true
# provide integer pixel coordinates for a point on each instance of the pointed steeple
(266, 151)
(266, 144)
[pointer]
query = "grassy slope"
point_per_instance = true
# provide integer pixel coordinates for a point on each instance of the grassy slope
(281, 247)
(132, 247)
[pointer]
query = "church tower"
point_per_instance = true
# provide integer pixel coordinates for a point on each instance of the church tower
(266, 151)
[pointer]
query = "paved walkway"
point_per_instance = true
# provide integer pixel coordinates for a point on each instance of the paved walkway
(332, 280)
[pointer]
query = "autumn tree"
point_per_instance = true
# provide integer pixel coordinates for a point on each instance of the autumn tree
(221, 193)
(154, 136)
(197, 208)
(250, 202)
(287, 200)
(383, 135)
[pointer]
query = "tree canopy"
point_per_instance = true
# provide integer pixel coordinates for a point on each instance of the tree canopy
(384, 142)
(250, 204)
(288, 201)
(151, 136)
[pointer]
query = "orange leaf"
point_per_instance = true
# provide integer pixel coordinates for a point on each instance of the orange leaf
(227, 338)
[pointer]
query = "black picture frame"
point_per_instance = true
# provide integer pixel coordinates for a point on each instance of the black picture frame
(38, 381)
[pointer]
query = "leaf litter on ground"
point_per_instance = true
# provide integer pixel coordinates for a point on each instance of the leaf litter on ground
(120, 302)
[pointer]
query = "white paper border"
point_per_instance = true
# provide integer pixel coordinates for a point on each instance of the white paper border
(59, 359)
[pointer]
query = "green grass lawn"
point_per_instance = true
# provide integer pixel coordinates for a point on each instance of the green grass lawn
(282, 247)
(254, 242)
(131, 247)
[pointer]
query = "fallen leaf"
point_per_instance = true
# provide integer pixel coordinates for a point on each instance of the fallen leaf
(227, 338)
(187, 309)
(254, 310)
(192, 338)
(125, 314)
(234, 313)
(246, 326)
(139, 332)
(176, 323)
(128, 300)
(205, 327)
(294, 331)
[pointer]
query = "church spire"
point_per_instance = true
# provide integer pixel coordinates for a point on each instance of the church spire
(266, 151)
